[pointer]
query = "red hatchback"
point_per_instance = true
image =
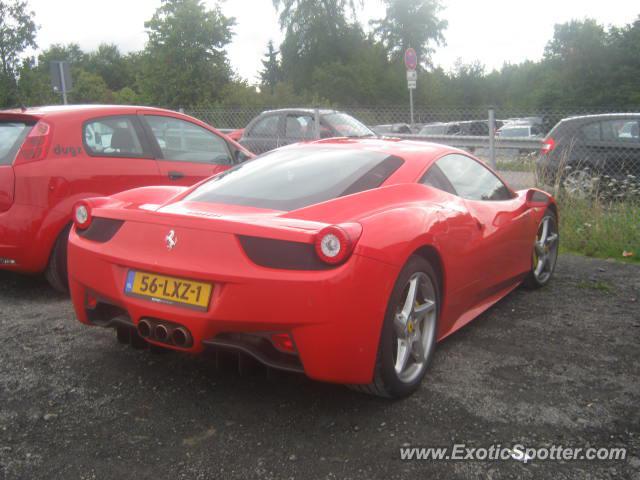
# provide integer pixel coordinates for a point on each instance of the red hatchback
(51, 157)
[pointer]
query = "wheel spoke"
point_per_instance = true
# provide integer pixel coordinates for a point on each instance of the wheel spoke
(400, 325)
(551, 239)
(409, 302)
(539, 249)
(545, 231)
(541, 264)
(402, 356)
(427, 307)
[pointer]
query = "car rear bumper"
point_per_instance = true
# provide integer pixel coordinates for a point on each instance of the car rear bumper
(21, 239)
(333, 316)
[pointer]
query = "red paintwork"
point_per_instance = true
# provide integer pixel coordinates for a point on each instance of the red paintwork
(236, 134)
(334, 316)
(38, 207)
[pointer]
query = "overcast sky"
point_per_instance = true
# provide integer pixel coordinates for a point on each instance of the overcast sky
(491, 31)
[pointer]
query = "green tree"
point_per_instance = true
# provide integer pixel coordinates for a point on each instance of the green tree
(125, 96)
(295, 14)
(316, 33)
(35, 79)
(185, 62)
(111, 65)
(270, 74)
(90, 88)
(35, 85)
(17, 33)
(411, 23)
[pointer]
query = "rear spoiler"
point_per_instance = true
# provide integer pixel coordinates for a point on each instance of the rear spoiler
(16, 116)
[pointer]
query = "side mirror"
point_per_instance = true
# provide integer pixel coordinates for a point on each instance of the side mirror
(537, 198)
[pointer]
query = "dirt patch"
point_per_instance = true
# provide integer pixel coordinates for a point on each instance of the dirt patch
(555, 366)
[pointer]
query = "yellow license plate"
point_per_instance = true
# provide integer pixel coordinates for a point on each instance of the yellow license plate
(168, 290)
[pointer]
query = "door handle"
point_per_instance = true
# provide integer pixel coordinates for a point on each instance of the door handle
(176, 175)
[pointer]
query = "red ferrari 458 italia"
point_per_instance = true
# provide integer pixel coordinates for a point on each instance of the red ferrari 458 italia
(344, 259)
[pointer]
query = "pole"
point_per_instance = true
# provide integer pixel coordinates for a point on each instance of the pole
(411, 105)
(62, 83)
(316, 123)
(492, 137)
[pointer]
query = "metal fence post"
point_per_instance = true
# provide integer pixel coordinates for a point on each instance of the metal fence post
(411, 105)
(492, 137)
(316, 123)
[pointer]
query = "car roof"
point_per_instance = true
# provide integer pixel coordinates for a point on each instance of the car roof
(602, 116)
(417, 154)
(323, 111)
(43, 111)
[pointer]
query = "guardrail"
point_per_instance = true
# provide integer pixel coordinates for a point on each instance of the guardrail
(523, 143)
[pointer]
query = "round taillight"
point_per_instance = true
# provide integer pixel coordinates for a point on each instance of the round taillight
(333, 245)
(82, 215)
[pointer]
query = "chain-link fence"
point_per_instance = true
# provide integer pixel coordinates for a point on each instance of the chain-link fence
(585, 151)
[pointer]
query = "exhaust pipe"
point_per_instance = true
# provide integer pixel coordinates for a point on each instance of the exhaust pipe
(161, 333)
(181, 337)
(144, 328)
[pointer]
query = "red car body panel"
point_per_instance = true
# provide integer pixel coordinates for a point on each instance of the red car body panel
(37, 196)
(334, 316)
(236, 134)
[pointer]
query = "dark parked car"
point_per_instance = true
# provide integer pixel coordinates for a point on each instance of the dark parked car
(578, 150)
(470, 128)
(276, 128)
(392, 129)
(519, 130)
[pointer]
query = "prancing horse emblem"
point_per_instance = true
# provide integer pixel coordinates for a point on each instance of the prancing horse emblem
(171, 239)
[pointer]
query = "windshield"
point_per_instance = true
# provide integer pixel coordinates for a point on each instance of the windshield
(293, 178)
(433, 130)
(347, 126)
(11, 136)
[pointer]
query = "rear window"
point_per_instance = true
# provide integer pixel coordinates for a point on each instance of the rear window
(12, 134)
(434, 130)
(346, 126)
(515, 132)
(295, 178)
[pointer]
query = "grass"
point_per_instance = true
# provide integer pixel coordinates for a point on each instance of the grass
(520, 164)
(597, 228)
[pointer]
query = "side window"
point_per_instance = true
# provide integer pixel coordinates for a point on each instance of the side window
(265, 127)
(112, 137)
(620, 130)
(436, 179)
(299, 126)
(591, 131)
(184, 141)
(453, 129)
(471, 179)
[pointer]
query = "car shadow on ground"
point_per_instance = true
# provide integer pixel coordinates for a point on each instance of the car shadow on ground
(215, 373)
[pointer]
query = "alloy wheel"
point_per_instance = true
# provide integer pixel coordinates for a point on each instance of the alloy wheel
(545, 249)
(415, 327)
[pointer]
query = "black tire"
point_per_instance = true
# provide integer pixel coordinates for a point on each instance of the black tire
(56, 272)
(532, 281)
(386, 382)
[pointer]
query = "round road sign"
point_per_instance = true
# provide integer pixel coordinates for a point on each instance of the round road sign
(410, 59)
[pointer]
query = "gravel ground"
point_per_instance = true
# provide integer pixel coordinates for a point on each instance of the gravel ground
(555, 366)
